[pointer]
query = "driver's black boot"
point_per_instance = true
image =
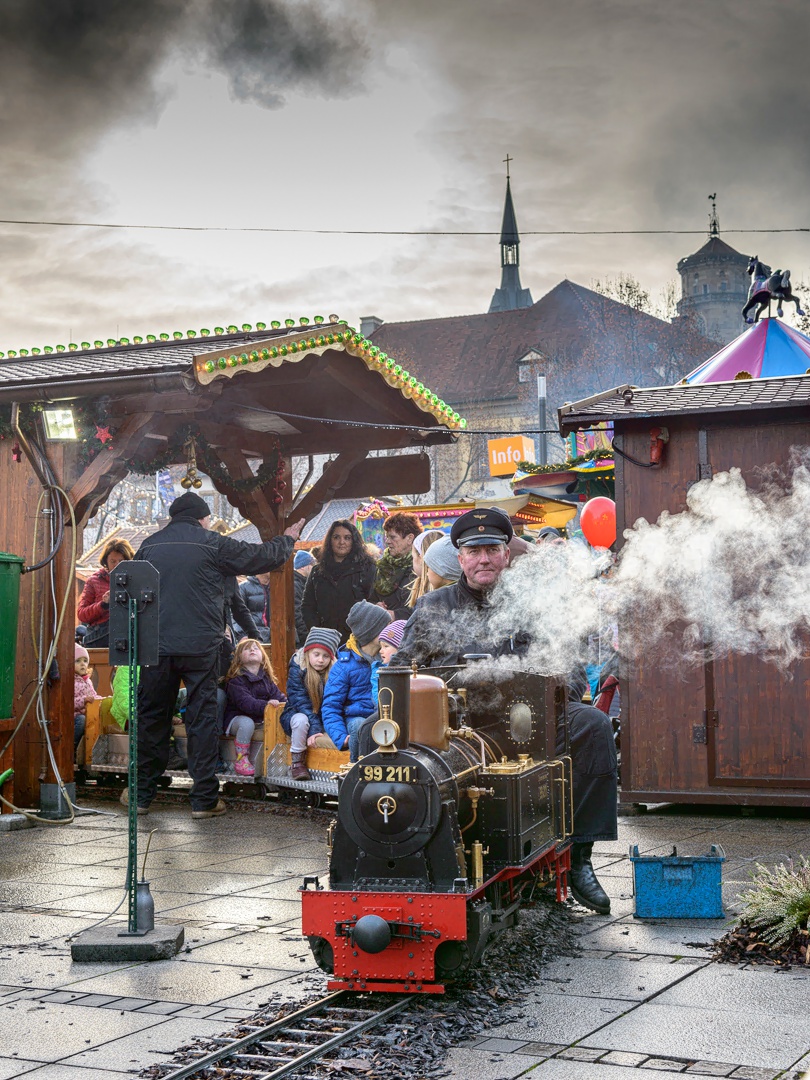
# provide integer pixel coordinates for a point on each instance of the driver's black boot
(585, 888)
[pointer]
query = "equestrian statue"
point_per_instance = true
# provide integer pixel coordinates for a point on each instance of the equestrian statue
(767, 286)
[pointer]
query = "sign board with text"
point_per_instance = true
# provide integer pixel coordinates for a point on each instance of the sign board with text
(504, 454)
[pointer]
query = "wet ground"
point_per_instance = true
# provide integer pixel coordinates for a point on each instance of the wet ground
(640, 996)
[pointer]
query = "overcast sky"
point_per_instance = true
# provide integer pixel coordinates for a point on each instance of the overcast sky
(395, 115)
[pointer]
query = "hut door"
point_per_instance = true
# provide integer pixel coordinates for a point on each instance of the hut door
(757, 723)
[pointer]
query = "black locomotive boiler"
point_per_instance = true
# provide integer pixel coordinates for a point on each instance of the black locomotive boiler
(462, 805)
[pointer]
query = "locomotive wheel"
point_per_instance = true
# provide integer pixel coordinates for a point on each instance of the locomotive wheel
(285, 795)
(164, 782)
(229, 789)
(323, 953)
(315, 799)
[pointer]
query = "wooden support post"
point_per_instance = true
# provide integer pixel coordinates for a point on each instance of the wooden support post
(257, 507)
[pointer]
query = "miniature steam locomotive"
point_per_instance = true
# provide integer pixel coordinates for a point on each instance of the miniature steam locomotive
(461, 806)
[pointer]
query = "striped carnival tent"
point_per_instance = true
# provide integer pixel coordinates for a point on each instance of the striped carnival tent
(767, 349)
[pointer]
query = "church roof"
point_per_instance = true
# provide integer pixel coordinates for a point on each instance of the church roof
(583, 335)
(713, 248)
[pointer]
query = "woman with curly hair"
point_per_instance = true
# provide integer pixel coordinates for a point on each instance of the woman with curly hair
(344, 574)
(94, 603)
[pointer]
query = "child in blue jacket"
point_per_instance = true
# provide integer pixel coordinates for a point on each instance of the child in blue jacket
(348, 700)
(301, 719)
(250, 686)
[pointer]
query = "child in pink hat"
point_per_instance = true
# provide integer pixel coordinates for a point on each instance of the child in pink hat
(83, 691)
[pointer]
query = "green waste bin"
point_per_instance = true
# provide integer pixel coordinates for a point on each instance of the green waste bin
(10, 570)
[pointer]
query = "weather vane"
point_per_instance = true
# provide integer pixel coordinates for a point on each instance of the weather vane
(714, 220)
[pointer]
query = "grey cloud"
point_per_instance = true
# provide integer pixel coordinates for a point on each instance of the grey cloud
(71, 68)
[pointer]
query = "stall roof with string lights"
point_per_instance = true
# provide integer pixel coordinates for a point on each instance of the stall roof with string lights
(239, 402)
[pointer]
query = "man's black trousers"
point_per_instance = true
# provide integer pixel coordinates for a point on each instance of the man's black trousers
(596, 778)
(157, 693)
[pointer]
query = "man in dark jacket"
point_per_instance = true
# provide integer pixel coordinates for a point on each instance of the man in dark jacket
(454, 621)
(193, 563)
(255, 593)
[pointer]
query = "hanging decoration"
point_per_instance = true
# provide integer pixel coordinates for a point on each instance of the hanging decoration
(191, 479)
(270, 471)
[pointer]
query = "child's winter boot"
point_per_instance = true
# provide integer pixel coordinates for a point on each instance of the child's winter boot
(298, 768)
(242, 766)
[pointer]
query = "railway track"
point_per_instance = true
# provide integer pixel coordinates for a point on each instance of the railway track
(299, 1039)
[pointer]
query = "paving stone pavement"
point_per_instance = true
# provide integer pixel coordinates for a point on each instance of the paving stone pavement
(642, 997)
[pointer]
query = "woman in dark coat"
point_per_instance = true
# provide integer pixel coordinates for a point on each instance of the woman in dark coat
(345, 574)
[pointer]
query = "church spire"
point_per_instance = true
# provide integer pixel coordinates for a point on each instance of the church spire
(510, 295)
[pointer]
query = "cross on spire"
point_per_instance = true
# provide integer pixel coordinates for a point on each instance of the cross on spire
(507, 159)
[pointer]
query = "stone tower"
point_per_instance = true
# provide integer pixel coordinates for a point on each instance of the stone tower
(511, 295)
(714, 286)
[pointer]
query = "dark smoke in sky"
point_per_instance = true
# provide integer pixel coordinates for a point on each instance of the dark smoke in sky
(72, 68)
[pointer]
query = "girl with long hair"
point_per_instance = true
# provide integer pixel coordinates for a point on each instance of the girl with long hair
(250, 686)
(344, 575)
(301, 719)
(421, 585)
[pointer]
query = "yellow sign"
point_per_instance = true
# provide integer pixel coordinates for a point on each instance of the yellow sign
(504, 454)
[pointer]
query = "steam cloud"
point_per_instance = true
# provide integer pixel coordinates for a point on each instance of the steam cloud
(729, 574)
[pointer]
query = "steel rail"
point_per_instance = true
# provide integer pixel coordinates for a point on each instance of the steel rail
(232, 1048)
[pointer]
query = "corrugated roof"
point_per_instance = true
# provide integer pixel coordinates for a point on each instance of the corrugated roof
(141, 359)
(627, 402)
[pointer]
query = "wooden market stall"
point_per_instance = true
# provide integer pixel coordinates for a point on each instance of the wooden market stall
(237, 403)
(736, 730)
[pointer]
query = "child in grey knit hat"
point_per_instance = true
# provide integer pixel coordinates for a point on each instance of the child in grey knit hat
(348, 698)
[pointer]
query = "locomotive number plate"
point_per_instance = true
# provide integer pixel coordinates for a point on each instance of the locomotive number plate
(401, 774)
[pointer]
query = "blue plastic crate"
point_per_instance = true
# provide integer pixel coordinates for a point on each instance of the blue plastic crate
(678, 887)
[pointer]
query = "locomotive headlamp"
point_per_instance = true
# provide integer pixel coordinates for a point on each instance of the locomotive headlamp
(385, 732)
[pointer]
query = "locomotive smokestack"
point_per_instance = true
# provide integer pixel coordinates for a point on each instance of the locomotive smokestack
(395, 690)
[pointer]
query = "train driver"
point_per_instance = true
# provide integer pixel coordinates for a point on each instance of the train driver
(481, 537)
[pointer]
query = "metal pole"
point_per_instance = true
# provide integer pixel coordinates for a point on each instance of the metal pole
(541, 415)
(132, 779)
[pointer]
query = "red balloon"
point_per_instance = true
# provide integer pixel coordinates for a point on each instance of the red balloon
(598, 522)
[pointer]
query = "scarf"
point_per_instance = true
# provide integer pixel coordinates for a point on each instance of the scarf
(389, 572)
(352, 645)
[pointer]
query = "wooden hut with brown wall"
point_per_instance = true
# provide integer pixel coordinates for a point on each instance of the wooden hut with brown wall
(251, 400)
(736, 730)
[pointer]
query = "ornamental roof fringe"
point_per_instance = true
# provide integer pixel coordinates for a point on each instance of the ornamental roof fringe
(292, 348)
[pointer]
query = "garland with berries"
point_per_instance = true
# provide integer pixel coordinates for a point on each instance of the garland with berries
(269, 472)
(96, 436)
(598, 455)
